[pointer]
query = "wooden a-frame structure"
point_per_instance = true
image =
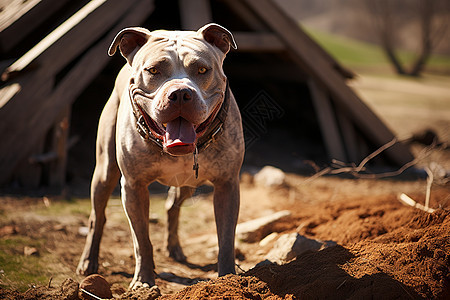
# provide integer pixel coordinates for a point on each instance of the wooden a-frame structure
(40, 87)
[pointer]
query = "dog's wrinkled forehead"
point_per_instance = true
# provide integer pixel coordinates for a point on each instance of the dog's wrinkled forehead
(179, 45)
(212, 40)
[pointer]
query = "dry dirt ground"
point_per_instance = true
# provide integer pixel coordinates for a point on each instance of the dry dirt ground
(385, 249)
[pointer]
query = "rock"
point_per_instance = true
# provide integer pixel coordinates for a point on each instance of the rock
(266, 241)
(96, 285)
(28, 251)
(250, 231)
(270, 177)
(291, 245)
(83, 230)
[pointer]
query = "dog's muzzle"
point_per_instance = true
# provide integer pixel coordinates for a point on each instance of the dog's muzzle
(179, 136)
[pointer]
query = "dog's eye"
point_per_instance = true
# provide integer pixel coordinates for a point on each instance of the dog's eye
(153, 70)
(202, 70)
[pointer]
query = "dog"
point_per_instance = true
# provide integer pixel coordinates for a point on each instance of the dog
(171, 118)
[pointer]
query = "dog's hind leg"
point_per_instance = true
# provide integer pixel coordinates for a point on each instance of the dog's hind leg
(175, 199)
(104, 180)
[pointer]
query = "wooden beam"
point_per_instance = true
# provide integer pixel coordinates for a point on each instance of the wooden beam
(327, 121)
(273, 71)
(58, 144)
(36, 120)
(247, 15)
(258, 42)
(50, 40)
(349, 136)
(195, 13)
(319, 67)
(19, 18)
(36, 87)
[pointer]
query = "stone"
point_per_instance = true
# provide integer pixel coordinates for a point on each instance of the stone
(290, 245)
(250, 231)
(270, 177)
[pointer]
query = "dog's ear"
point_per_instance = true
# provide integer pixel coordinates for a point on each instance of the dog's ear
(129, 40)
(218, 36)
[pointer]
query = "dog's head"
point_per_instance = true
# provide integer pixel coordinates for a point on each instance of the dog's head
(178, 79)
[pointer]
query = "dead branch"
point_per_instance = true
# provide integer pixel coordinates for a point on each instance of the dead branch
(405, 199)
(339, 167)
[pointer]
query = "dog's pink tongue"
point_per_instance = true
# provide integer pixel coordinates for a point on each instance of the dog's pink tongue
(179, 132)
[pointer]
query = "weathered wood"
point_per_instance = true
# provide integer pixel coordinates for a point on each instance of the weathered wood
(256, 23)
(258, 42)
(327, 121)
(7, 92)
(50, 41)
(19, 18)
(58, 143)
(249, 17)
(349, 136)
(315, 47)
(194, 13)
(42, 116)
(279, 71)
(326, 75)
(12, 10)
(17, 122)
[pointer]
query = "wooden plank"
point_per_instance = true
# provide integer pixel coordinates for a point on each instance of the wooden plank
(56, 56)
(309, 42)
(258, 42)
(319, 67)
(327, 120)
(349, 136)
(66, 92)
(17, 25)
(51, 39)
(194, 13)
(247, 15)
(258, 72)
(12, 10)
(60, 135)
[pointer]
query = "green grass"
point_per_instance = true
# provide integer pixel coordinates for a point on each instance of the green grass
(358, 54)
(19, 272)
(67, 207)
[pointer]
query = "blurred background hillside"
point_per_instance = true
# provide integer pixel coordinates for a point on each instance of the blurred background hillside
(350, 30)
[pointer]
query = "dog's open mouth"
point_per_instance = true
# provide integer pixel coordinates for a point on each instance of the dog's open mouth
(179, 136)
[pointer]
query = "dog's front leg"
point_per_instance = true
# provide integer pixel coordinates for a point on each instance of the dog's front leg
(226, 211)
(135, 198)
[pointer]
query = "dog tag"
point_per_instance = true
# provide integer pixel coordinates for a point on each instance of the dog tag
(195, 166)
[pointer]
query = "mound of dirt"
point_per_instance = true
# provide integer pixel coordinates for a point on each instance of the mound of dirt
(229, 287)
(410, 262)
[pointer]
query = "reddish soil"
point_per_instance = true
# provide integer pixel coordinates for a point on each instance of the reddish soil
(385, 250)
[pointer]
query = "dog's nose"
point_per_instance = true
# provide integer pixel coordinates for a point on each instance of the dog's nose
(183, 94)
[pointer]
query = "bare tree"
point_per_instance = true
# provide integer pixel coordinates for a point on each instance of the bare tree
(433, 25)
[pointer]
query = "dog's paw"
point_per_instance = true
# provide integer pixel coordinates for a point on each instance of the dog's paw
(87, 267)
(176, 253)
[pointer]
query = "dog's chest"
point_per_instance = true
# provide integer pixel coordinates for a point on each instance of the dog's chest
(179, 172)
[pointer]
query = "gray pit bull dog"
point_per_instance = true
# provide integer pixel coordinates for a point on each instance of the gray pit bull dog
(171, 118)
